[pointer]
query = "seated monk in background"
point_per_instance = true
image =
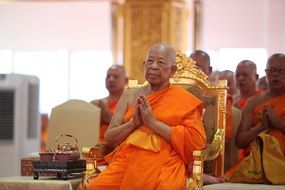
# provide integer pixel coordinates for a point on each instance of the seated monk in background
(262, 131)
(154, 142)
(115, 82)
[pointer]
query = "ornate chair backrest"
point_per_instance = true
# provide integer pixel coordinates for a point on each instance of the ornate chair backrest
(214, 116)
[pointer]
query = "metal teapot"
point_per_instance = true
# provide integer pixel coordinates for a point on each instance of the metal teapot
(67, 146)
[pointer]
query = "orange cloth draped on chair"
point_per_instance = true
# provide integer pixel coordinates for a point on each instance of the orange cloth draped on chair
(104, 126)
(145, 160)
(273, 151)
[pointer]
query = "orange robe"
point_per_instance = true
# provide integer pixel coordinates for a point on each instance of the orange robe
(241, 102)
(144, 160)
(104, 126)
(277, 103)
(229, 133)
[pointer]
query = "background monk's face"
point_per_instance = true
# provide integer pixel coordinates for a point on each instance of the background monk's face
(245, 78)
(115, 79)
(275, 73)
(158, 67)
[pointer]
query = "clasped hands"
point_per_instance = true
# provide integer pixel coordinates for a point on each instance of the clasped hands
(143, 113)
(271, 120)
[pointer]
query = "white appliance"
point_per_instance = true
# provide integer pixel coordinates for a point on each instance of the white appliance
(19, 121)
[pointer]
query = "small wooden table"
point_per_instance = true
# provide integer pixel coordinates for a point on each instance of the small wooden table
(63, 169)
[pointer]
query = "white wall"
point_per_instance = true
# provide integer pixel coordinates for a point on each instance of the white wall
(71, 29)
(86, 25)
(244, 24)
(55, 25)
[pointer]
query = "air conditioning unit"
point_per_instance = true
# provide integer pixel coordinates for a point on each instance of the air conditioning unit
(19, 121)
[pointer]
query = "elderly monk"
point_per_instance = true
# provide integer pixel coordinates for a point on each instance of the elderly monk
(115, 82)
(246, 77)
(156, 127)
(262, 131)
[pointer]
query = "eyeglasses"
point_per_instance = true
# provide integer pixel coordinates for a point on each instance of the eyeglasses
(272, 70)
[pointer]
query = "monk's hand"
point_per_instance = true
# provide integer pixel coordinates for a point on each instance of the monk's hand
(265, 123)
(136, 120)
(274, 120)
(146, 112)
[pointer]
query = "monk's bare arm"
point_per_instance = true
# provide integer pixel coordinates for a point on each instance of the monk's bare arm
(106, 114)
(246, 133)
(163, 130)
(118, 130)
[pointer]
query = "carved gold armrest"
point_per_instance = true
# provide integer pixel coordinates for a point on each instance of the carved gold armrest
(93, 155)
(210, 152)
(105, 149)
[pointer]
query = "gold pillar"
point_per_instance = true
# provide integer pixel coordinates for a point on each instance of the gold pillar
(137, 24)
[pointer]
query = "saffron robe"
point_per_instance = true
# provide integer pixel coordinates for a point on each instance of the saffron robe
(265, 158)
(144, 160)
(104, 126)
(241, 102)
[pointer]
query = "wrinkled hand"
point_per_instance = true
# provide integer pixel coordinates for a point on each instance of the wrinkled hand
(136, 120)
(146, 112)
(273, 120)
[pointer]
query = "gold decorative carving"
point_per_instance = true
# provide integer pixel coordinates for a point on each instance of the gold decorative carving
(189, 76)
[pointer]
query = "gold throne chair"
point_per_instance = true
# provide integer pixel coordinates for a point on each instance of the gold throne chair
(210, 159)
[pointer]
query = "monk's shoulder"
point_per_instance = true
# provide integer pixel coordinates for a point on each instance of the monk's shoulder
(96, 102)
(256, 100)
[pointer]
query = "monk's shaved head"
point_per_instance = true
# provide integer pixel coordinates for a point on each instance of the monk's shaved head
(250, 64)
(280, 57)
(169, 52)
(120, 68)
(202, 60)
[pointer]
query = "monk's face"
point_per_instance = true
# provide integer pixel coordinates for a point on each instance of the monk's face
(158, 67)
(115, 80)
(275, 73)
(245, 78)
